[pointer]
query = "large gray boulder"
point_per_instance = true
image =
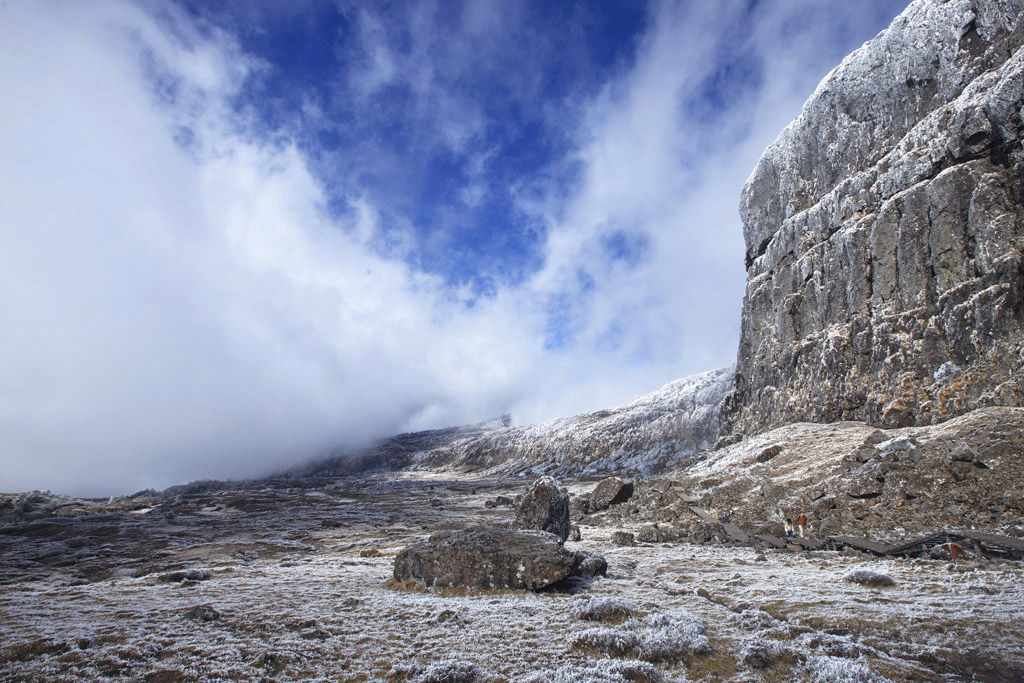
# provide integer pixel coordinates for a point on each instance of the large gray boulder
(609, 492)
(487, 557)
(546, 507)
(885, 233)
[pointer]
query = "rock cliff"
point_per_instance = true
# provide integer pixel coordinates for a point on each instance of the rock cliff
(885, 233)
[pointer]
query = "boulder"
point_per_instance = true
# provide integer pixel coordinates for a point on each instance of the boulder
(649, 533)
(609, 492)
(487, 557)
(545, 507)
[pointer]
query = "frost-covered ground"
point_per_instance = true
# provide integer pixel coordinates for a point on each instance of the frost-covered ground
(300, 591)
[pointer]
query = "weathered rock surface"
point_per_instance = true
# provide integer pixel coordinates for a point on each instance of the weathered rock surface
(487, 557)
(546, 507)
(885, 234)
(850, 478)
(610, 491)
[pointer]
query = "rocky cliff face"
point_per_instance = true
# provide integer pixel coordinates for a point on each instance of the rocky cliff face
(884, 231)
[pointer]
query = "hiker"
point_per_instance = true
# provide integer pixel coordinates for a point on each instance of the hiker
(801, 522)
(789, 527)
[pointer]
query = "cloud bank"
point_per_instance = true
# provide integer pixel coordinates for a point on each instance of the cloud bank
(203, 277)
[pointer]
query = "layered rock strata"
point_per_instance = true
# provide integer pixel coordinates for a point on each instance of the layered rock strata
(885, 233)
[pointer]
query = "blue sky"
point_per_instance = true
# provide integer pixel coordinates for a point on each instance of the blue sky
(239, 235)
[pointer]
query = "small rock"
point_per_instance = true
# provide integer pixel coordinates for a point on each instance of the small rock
(866, 577)
(622, 538)
(961, 470)
(769, 453)
(590, 565)
(609, 492)
(899, 444)
(579, 506)
(186, 575)
(876, 437)
(202, 613)
(962, 453)
(574, 533)
(649, 533)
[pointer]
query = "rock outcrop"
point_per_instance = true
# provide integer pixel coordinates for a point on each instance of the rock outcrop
(545, 506)
(850, 478)
(885, 233)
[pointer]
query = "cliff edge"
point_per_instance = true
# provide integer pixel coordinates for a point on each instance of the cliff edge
(884, 233)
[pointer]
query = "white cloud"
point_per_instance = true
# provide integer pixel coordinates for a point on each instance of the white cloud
(175, 312)
(173, 317)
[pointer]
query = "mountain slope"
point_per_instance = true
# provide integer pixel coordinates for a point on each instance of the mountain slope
(644, 436)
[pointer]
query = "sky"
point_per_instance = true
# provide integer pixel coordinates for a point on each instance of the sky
(237, 236)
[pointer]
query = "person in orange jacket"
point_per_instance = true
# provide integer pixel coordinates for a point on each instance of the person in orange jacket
(801, 522)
